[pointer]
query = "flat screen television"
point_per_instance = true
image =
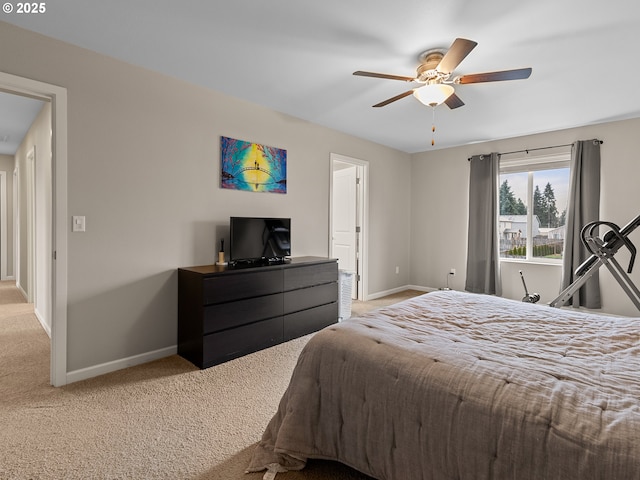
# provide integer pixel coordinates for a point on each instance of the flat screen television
(255, 240)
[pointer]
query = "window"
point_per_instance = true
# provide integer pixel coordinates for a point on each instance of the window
(533, 206)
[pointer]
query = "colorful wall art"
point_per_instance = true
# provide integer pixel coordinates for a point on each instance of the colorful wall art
(252, 167)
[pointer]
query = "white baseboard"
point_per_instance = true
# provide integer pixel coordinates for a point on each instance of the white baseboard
(94, 371)
(373, 296)
(421, 288)
(47, 328)
(22, 291)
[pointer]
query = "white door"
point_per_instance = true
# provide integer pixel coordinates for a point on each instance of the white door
(344, 235)
(31, 226)
(3, 225)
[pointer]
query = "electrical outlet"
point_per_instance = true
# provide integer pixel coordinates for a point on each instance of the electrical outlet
(452, 271)
(397, 270)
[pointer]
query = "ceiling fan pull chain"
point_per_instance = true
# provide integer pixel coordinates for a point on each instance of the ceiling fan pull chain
(433, 127)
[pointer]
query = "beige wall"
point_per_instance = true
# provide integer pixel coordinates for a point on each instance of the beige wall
(143, 167)
(7, 165)
(439, 197)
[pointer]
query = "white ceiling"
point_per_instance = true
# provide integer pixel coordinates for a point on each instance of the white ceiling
(298, 56)
(16, 116)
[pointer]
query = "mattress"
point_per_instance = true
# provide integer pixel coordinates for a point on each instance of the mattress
(452, 385)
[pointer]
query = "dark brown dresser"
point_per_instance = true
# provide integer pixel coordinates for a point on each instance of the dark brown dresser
(224, 313)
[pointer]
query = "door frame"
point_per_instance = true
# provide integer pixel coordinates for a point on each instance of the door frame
(31, 226)
(3, 225)
(58, 256)
(363, 214)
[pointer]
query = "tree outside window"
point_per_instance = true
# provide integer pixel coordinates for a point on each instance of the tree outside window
(536, 233)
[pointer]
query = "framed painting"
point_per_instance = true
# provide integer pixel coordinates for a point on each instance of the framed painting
(252, 167)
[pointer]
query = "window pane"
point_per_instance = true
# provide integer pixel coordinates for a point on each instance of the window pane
(550, 193)
(513, 215)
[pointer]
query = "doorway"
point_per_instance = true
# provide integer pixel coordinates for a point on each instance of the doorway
(54, 286)
(348, 219)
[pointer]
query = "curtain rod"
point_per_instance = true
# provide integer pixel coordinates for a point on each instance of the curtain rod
(527, 150)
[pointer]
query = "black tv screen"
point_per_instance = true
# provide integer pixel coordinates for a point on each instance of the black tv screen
(255, 239)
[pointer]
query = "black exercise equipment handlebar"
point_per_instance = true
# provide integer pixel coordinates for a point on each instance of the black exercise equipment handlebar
(614, 239)
(602, 252)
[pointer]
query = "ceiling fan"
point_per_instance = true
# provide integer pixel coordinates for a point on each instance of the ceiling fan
(435, 70)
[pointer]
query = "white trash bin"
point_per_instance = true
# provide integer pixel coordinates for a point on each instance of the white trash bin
(345, 286)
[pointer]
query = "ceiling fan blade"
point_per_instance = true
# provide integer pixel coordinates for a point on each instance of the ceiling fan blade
(460, 48)
(384, 75)
(393, 99)
(453, 101)
(517, 74)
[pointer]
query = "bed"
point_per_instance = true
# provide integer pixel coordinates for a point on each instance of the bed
(452, 385)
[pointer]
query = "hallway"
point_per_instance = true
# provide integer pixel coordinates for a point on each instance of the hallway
(24, 346)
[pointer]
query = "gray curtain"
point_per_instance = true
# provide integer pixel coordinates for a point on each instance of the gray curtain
(584, 207)
(483, 267)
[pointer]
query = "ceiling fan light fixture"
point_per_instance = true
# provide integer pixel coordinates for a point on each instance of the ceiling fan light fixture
(433, 94)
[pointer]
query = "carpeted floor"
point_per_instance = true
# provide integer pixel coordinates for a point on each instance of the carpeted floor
(162, 420)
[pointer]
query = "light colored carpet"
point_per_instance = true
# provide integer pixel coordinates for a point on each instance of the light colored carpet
(162, 420)
(358, 307)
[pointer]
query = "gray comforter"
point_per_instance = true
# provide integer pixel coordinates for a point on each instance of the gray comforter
(462, 386)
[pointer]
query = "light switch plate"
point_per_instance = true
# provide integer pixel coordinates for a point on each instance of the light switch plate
(78, 223)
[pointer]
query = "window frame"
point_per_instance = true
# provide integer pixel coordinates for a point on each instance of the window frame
(529, 164)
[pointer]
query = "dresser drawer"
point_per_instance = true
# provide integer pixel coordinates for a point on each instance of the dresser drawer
(308, 276)
(222, 346)
(304, 298)
(234, 314)
(224, 313)
(236, 286)
(308, 321)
